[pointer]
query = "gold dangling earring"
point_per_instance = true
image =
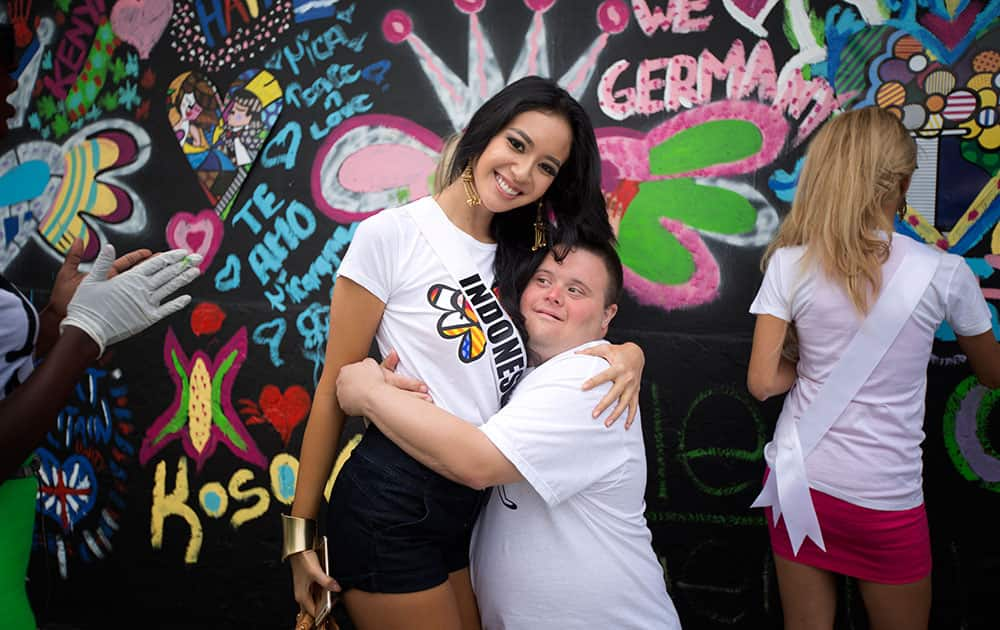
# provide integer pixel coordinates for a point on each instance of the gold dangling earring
(901, 210)
(471, 195)
(539, 230)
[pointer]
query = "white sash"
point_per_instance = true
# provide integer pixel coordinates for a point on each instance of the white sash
(507, 354)
(787, 488)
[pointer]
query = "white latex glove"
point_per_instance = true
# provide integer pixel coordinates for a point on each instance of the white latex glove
(110, 310)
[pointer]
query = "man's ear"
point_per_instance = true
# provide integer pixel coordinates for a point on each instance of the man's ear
(609, 314)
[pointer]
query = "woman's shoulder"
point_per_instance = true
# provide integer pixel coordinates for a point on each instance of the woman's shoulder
(391, 221)
(786, 256)
(907, 245)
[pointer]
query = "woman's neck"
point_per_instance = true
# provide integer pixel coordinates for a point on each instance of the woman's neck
(473, 221)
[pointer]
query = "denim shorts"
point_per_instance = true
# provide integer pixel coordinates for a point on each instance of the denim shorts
(394, 525)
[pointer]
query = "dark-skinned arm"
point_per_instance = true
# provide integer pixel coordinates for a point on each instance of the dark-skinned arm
(31, 410)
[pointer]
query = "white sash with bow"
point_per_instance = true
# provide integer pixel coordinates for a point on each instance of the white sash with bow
(787, 488)
(507, 355)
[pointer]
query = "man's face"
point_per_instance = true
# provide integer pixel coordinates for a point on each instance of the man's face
(563, 304)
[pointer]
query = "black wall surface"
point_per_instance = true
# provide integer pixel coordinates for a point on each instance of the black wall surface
(703, 109)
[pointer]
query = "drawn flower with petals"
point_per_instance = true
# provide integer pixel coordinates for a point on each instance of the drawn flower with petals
(201, 415)
(984, 126)
(671, 189)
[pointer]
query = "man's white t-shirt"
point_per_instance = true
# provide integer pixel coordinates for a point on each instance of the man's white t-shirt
(439, 341)
(576, 551)
(871, 455)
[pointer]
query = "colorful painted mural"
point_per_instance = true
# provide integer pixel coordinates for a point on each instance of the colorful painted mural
(296, 119)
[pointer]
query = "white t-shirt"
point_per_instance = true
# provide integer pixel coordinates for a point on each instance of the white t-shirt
(871, 455)
(18, 335)
(576, 552)
(438, 341)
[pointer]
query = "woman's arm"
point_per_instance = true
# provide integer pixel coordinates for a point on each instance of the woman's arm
(354, 317)
(438, 439)
(984, 357)
(627, 361)
(769, 372)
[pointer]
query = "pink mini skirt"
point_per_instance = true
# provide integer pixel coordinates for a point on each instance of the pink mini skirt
(887, 547)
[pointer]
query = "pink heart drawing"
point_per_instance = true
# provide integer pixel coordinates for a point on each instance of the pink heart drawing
(200, 233)
(750, 13)
(141, 22)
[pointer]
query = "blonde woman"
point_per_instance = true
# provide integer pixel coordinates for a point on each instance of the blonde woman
(843, 490)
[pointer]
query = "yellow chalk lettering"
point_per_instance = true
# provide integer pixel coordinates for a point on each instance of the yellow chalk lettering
(236, 491)
(344, 454)
(174, 504)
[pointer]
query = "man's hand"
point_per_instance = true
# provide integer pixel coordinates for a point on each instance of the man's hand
(415, 386)
(355, 383)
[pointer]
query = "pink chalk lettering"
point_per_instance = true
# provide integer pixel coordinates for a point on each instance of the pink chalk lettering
(677, 17)
(616, 104)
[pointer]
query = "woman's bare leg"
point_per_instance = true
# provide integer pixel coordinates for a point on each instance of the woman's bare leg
(461, 584)
(433, 609)
(808, 595)
(897, 606)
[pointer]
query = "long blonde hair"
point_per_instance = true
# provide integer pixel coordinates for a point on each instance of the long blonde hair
(443, 172)
(853, 168)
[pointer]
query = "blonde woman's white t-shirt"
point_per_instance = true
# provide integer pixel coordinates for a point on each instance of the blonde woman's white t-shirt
(871, 455)
(438, 341)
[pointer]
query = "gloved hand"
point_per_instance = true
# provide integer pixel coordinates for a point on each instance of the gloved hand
(110, 310)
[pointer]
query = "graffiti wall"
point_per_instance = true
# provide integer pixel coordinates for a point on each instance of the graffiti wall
(260, 132)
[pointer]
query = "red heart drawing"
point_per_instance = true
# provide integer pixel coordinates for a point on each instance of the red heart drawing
(200, 234)
(284, 411)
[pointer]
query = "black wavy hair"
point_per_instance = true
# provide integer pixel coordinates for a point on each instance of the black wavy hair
(573, 202)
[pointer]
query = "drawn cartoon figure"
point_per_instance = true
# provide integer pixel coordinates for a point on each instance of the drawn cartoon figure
(253, 104)
(193, 110)
(241, 139)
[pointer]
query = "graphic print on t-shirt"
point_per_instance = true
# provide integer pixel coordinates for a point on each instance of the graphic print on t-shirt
(459, 320)
(18, 344)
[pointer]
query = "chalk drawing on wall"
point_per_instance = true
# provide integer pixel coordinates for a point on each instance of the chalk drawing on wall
(80, 74)
(29, 68)
(691, 276)
(141, 23)
(283, 410)
(18, 14)
(669, 185)
(217, 34)
(946, 28)
(220, 139)
(58, 193)
(201, 416)
(83, 474)
(346, 183)
(951, 110)
(967, 424)
(207, 318)
(309, 10)
(343, 185)
(200, 233)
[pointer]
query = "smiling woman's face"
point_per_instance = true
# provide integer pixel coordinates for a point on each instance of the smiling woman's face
(521, 162)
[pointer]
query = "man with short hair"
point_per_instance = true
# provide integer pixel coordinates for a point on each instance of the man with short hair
(562, 542)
